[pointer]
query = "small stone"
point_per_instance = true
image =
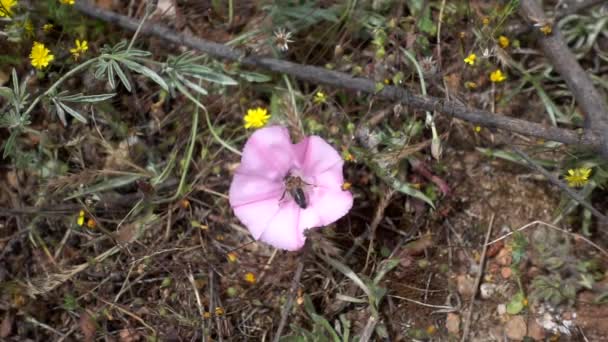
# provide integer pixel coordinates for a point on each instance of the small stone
(504, 257)
(487, 290)
(536, 331)
(501, 309)
(506, 272)
(452, 323)
(465, 285)
(516, 328)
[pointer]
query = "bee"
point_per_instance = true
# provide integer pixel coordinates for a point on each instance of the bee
(294, 185)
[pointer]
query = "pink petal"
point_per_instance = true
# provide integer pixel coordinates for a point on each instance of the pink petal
(268, 153)
(283, 230)
(331, 178)
(246, 188)
(315, 155)
(256, 216)
(330, 204)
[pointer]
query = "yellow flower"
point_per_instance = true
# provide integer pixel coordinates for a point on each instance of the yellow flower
(80, 220)
(485, 21)
(91, 223)
(497, 76)
(477, 129)
(503, 42)
(67, 2)
(47, 28)
(546, 29)
(6, 7)
(256, 118)
(81, 48)
(232, 257)
(578, 177)
(346, 186)
(40, 56)
(320, 98)
(219, 311)
(470, 60)
(470, 85)
(250, 277)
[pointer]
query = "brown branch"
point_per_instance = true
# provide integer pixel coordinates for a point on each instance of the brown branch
(590, 100)
(345, 81)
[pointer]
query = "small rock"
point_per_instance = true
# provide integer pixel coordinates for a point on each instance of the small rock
(452, 323)
(487, 290)
(516, 328)
(465, 285)
(504, 257)
(536, 331)
(506, 272)
(502, 309)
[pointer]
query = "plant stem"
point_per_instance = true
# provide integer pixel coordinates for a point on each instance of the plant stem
(59, 81)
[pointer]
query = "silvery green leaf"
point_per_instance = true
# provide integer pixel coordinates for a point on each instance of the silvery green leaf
(80, 98)
(70, 111)
(137, 53)
(145, 71)
(254, 77)
(121, 75)
(60, 112)
(192, 85)
(9, 144)
(111, 77)
(6, 93)
(206, 74)
(100, 69)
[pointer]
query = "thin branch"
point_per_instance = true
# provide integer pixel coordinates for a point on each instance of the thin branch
(341, 80)
(295, 283)
(467, 323)
(590, 100)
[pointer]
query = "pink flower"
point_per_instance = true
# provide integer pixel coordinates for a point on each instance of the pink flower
(260, 194)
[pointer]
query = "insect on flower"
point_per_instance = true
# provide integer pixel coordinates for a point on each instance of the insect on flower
(294, 185)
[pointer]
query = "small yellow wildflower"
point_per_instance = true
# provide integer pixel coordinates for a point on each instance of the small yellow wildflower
(47, 27)
(431, 330)
(40, 56)
(503, 42)
(387, 81)
(470, 60)
(578, 177)
(470, 85)
(256, 118)
(497, 76)
(546, 29)
(80, 220)
(485, 21)
(219, 311)
(250, 277)
(81, 48)
(232, 257)
(67, 2)
(346, 186)
(206, 315)
(477, 129)
(319, 98)
(6, 7)
(185, 203)
(91, 223)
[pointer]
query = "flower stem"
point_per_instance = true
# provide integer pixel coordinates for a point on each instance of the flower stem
(59, 82)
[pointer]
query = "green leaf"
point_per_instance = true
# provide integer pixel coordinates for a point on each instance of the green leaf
(109, 184)
(254, 77)
(6, 93)
(138, 68)
(80, 98)
(206, 74)
(516, 304)
(121, 75)
(73, 113)
(348, 273)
